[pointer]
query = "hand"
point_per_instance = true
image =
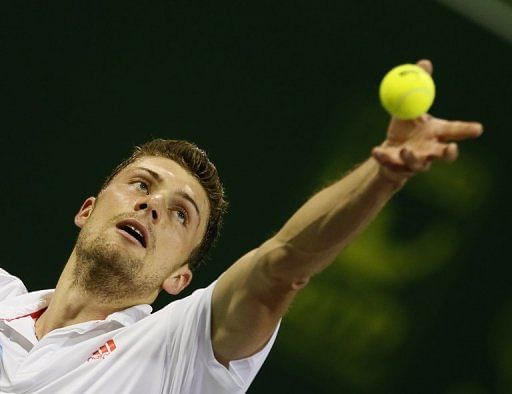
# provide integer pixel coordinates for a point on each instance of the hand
(412, 145)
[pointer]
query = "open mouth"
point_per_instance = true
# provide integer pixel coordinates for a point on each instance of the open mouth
(134, 230)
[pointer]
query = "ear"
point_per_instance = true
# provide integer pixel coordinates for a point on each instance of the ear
(85, 211)
(178, 280)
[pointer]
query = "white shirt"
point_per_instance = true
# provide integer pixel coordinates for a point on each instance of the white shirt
(132, 351)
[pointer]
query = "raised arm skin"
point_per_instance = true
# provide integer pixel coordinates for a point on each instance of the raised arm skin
(326, 223)
(254, 293)
(261, 285)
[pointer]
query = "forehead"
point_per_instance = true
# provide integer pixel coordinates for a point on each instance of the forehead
(174, 176)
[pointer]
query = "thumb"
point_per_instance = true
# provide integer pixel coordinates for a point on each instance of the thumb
(426, 65)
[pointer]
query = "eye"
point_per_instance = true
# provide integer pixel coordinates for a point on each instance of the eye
(182, 215)
(141, 185)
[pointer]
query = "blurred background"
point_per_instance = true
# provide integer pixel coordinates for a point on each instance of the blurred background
(284, 98)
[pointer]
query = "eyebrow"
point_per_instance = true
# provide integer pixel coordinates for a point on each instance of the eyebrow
(179, 192)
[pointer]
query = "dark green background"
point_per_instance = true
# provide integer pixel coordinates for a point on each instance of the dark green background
(283, 96)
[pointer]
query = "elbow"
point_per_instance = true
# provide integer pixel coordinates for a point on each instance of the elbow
(285, 268)
(299, 284)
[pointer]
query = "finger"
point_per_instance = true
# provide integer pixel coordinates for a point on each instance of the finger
(426, 65)
(389, 158)
(398, 168)
(436, 152)
(458, 131)
(451, 152)
(380, 156)
(422, 119)
(413, 162)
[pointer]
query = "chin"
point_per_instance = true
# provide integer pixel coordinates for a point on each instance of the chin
(107, 270)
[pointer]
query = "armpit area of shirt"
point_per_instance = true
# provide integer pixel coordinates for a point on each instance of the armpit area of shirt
(242, 371)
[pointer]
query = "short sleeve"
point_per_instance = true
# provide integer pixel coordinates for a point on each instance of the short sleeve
(10, 286)
(193, 366)
(241, 372)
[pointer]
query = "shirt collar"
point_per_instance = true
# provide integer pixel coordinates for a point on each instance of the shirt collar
(28, 303)
(130, 315)
(25, 304)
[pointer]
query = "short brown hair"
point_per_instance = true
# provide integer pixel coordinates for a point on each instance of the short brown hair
(197, 163)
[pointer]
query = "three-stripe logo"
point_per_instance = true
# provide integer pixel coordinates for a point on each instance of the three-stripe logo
(104, 350)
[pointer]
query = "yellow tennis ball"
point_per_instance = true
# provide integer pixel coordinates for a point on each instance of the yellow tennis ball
(407, 91)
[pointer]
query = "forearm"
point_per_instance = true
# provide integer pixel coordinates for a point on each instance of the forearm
(330, 219)
(255, 292)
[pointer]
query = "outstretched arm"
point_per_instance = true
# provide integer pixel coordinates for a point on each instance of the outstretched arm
(254, 293)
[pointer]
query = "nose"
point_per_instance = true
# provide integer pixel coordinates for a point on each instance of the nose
(153, 205)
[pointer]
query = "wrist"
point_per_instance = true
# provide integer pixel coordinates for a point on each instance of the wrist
(396, 178)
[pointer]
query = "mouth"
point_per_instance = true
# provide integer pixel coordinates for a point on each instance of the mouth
(134, 231)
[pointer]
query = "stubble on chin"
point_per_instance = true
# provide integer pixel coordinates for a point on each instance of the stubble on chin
(106, 271)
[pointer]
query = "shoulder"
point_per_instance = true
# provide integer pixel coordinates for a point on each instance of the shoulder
(180, 317)
(10, 285)
(191, 309)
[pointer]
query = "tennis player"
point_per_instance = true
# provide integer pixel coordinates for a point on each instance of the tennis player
(147, 230)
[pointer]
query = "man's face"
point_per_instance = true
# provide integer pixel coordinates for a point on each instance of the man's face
(141, 229)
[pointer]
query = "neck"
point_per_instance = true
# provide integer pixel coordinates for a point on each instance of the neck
(72, 304)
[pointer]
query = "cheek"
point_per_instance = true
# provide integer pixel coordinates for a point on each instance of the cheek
(173, 244)
(169, 241)
(112, 202)
(117, 194)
